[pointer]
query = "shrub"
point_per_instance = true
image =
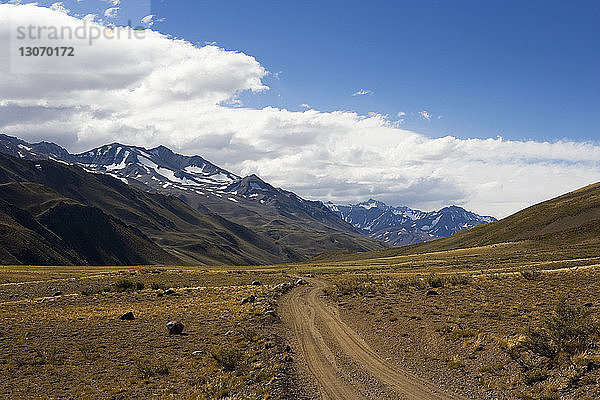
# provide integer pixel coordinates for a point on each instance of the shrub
(568, 332)
(530, 274)
(415, 281)
(352, 286)
(435, 281)
(150, 367)
(124, 285)
(227, 357)
(458, 279)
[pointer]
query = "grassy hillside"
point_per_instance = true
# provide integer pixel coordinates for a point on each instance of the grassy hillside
(52, 230)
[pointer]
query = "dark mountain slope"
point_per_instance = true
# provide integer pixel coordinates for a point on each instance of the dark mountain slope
(188, 236)
(55, 230)
(25, 241)
(299, 228)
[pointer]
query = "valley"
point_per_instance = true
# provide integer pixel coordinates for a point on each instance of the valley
(299, 200)
(203, 307)
(431, 325)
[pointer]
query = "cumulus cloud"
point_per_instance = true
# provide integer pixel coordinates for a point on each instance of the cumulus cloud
(362, 92)
(161, 90)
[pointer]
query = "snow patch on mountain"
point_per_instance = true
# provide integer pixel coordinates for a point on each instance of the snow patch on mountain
(402, 226)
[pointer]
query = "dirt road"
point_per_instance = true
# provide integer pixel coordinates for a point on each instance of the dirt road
(341, 363)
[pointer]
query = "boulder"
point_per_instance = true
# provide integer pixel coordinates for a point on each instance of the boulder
(128, 316)
(167, 292)
(432, 292)
(57, 293)
(175, 327)
(282, 287)
(249, 299)
(256, 283)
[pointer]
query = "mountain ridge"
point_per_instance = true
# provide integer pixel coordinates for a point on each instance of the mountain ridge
(296, 228)
(402, 226)
(568, 223)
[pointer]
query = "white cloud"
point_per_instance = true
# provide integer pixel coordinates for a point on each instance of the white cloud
(362, 92)
(150, 19)
(304, 105)
(89, 17)
(111, 12)
(401, 114)
(425, 115)
(173, 93)
(59, 7)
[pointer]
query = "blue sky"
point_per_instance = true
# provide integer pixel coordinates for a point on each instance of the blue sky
(519, 69)
(307, 94)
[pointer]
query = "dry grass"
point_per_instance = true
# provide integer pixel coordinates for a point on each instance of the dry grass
(75, 346)
(460, 336)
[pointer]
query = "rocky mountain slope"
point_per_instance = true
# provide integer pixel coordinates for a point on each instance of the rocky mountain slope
(298, 228)
(401, 226)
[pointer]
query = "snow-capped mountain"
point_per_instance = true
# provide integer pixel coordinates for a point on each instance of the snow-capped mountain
(158, 167)
(401, 226)
(307, 227)
(198, 181)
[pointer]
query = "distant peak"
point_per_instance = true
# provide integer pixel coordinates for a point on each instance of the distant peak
(161, 148)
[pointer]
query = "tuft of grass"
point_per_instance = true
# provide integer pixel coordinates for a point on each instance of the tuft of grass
(228, 357)
(158, 286)
(455, 362)
(530, 274)
(126, 285)
(88, 350)
(460, 333)
(250, 335)
(149, 367)
(219, 386)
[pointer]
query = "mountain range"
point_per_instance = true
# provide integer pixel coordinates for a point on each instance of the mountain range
(148, 206)
(402, 226)
(567, 225)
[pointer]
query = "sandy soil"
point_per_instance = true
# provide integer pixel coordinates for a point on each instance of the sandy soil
(339, 361)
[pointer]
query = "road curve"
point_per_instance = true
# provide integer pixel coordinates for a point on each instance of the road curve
(304, 312)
